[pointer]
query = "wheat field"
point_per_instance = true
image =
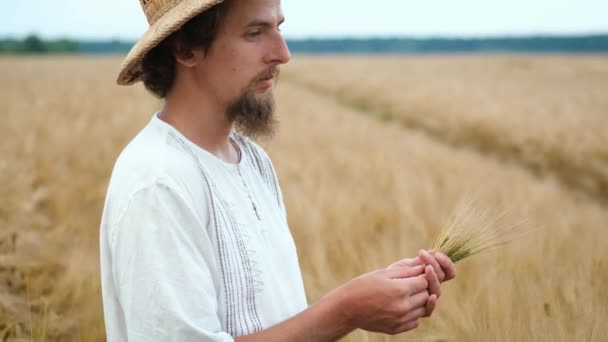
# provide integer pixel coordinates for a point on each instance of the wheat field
(373, 154)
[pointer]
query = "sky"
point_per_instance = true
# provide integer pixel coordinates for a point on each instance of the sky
(123, 19)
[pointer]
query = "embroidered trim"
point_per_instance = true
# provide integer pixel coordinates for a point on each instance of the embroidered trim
(242, 315)
(262, 165)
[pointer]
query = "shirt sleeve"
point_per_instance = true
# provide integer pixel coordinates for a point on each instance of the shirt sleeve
(165, 270)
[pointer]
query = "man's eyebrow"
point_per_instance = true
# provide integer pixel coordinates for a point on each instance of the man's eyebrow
(261, 22)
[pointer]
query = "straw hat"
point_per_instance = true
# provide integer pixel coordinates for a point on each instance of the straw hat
(164, 18)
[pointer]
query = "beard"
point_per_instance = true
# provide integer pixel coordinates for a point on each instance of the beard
(251, 114)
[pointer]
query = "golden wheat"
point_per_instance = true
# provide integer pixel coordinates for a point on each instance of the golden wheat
(499, 105)
(360, 193)
(472, 230)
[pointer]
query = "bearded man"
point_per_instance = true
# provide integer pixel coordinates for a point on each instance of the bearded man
(194, 239)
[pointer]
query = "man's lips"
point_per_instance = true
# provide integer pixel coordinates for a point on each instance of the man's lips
(266, 82)
(266, 78)
(269, 74)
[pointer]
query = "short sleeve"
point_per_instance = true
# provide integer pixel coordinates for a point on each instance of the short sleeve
(165, 270)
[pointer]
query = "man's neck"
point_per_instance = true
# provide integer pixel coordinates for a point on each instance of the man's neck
(202, 121)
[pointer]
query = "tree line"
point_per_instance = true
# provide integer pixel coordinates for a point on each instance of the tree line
(33, 44)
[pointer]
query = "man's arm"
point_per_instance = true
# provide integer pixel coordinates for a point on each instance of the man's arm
(388, 301)
(164, 273)
(156, 297)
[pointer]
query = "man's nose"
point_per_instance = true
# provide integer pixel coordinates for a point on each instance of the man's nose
(280, 51)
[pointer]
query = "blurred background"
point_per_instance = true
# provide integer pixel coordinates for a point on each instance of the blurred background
(391, 113)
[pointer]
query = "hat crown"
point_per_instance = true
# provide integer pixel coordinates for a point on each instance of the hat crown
(154, 9)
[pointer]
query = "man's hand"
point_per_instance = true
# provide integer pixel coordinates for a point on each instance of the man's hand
(443, 266)
(438, 268)
(389, 301)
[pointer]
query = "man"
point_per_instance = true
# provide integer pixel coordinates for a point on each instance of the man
(194, 238)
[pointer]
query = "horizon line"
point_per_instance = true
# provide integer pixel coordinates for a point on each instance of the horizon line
(343, 37)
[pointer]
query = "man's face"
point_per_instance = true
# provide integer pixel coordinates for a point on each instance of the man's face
(241, 66)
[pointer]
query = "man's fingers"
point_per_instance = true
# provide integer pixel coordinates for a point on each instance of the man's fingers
(431, 303)
(447, 265)
(412, 261)
(409, 262)
(434, 284)
(407, 326)
(428, 259)
(414, 314)
(405, 272)
(418, 300)
(413, 285)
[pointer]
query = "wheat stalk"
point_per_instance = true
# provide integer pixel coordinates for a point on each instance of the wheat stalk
(472, 230)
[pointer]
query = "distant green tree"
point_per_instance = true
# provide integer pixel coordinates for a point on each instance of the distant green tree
(61, 46)
(33, 44)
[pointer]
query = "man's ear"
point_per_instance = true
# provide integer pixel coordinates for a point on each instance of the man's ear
(182, 55)
(187, 62)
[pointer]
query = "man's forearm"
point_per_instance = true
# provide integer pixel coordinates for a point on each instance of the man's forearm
(323, 321)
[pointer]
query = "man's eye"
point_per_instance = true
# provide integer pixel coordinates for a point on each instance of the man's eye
(254, 34)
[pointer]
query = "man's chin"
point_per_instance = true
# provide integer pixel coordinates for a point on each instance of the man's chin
(263, 96)
(253, 113)
(263, 91)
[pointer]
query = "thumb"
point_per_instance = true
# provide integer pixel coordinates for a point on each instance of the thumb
(401, 272)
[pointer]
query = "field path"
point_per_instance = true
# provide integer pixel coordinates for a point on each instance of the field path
(585, 182)
(583, 170)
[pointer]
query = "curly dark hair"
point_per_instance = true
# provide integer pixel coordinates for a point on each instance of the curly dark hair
(158, 65)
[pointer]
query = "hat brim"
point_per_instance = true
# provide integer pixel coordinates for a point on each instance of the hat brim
(130, 70)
